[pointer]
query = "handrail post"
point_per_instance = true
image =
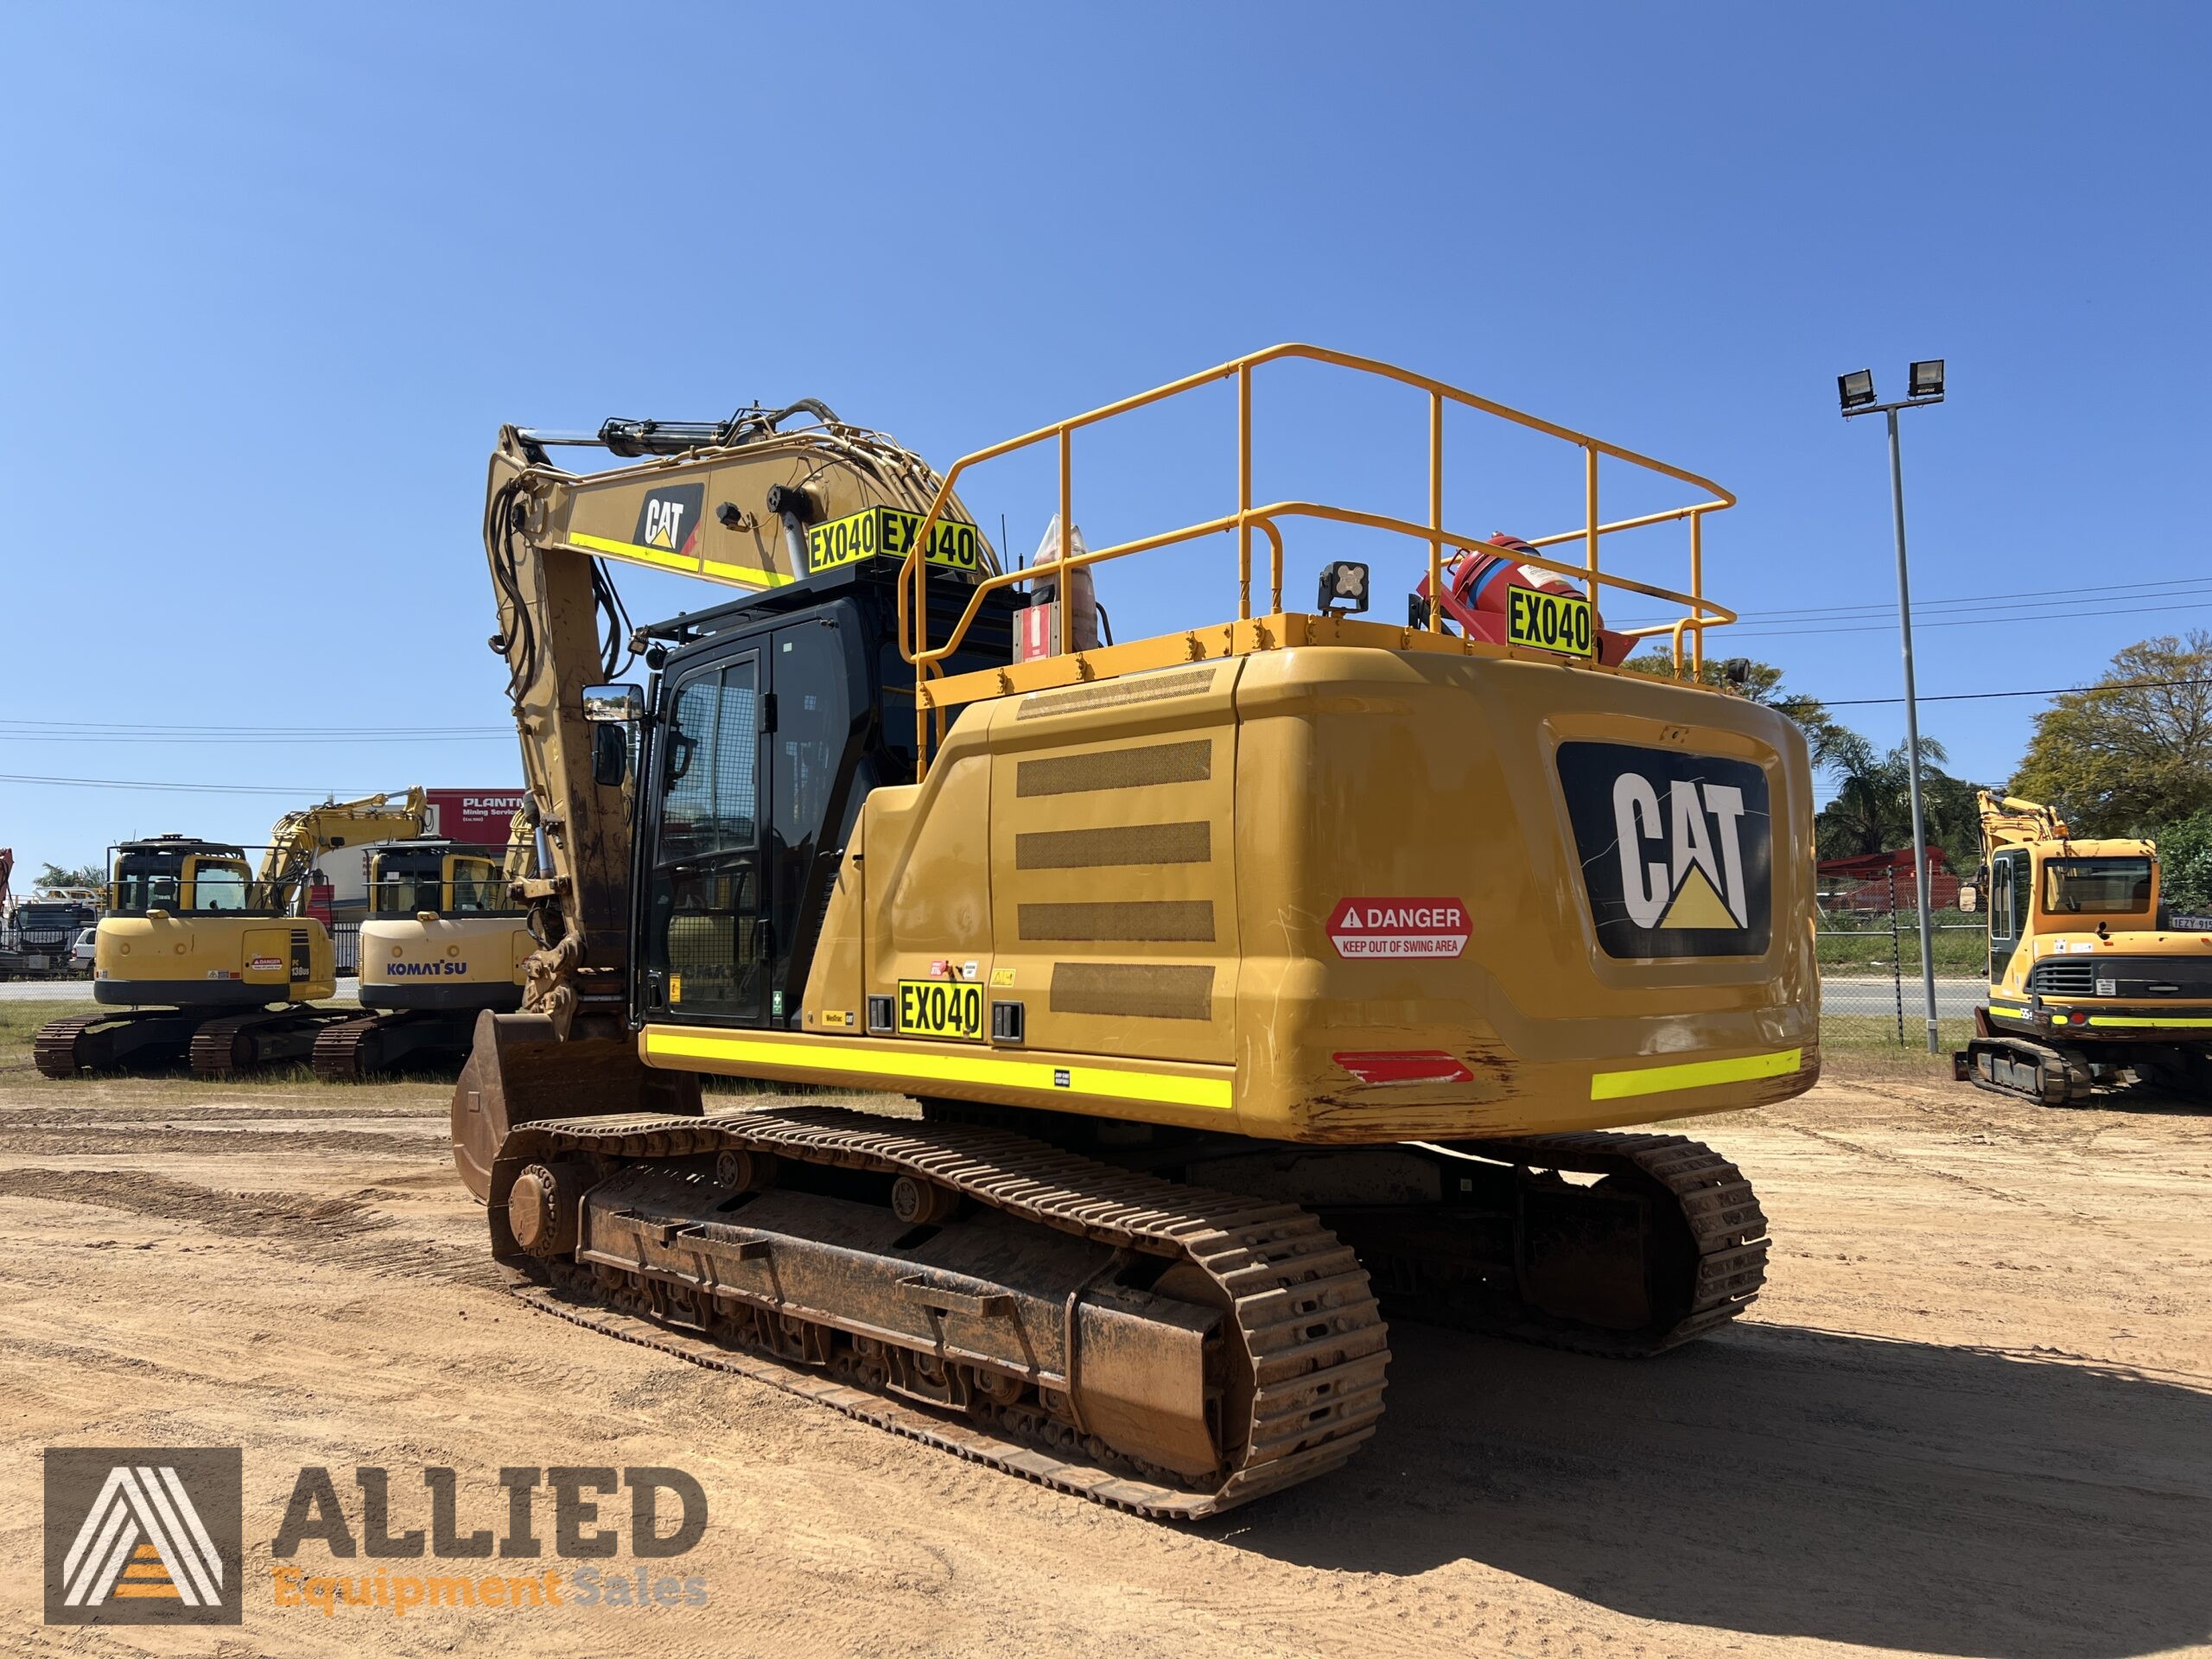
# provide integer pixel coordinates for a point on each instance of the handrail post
(1244, 491)
(1063, 588)
(1590, 508)
(1436, 512)
(916, 557)
(1697, 591)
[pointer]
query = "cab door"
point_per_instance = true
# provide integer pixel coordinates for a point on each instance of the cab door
(814, 743)
(2007, 896)
(705, 913)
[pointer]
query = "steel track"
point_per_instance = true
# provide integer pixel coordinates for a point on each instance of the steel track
(1297, 1300)
(1727, 1230)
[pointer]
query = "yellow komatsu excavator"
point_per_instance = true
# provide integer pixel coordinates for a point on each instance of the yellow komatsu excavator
(442, 942)
(201, 958)
(1219, 992)
(2090, 979)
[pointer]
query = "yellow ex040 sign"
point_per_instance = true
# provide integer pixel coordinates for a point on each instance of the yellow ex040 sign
(886, 533)
(941, 1007)
(1548, 621)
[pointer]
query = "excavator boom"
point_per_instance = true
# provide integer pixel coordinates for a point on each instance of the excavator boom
(756, 508)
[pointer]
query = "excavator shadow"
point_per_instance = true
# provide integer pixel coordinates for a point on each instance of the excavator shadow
(1781, 1481)
(2149, 1099)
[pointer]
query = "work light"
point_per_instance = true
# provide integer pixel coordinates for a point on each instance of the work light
(1344, 584)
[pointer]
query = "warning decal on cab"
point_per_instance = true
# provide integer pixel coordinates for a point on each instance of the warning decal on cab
(1398, 927)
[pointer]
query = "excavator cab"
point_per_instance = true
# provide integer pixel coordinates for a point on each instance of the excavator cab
(773, 720)
(175, 873)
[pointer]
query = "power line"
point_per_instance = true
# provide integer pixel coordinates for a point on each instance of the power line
(269, 731)
(168, 739)
(1972, 601)
(314, 792)
(1969, 622)
(2054, 691)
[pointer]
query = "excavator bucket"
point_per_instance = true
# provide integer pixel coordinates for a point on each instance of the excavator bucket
(520, 1073)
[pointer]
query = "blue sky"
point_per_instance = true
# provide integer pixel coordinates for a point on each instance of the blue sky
(273, 278)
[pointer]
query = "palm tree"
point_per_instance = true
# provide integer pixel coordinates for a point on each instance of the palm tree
(1871, 812)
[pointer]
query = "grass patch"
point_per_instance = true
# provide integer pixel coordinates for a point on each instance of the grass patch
(1851, 943)
(1865, 1045)
(19, 1023)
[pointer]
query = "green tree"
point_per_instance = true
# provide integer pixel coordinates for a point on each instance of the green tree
(83, 875)
(2185, 864)
(2132, 751)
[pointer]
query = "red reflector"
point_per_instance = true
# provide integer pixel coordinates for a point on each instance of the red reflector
(1405, 1066)
(2079, 1018)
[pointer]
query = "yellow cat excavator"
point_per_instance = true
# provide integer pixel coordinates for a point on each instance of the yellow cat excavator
(442, 942)
(2088, 977)
(198, 958)
(1244, 984)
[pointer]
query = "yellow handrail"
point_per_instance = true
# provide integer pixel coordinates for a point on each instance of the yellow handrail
(913, 615)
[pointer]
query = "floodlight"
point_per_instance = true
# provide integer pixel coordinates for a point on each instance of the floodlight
(1928, 378)
(1855, 389)
(1344, 584)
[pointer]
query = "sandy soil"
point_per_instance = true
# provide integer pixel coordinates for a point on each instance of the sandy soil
(1972, 1415)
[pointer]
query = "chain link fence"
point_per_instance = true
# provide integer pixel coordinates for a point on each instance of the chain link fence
(1870, 956)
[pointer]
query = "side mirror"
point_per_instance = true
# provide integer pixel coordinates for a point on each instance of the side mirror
(1968, 898)
(620, 704)
(610, 754)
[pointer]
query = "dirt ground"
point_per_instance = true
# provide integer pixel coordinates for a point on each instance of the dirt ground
(1972, 1415)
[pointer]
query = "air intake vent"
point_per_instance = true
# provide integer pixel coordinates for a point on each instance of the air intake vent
(2063, 978)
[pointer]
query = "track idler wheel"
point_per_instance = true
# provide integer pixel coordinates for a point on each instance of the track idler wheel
(544, 1206)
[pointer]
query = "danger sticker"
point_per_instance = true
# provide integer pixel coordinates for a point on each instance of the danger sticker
(1398, 927)
(266, 964)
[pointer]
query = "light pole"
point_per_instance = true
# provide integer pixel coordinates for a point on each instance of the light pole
(1855, 391)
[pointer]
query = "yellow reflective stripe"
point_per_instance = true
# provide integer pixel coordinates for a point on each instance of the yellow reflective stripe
(2145, 1020)
(667, 561)
(996, 1070)
(1694, 1074)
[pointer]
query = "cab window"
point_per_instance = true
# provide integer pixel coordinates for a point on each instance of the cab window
(218, 885)
(140, 890)
(2095, 887)
(712, 779)
(475, 885)
(403, 891)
